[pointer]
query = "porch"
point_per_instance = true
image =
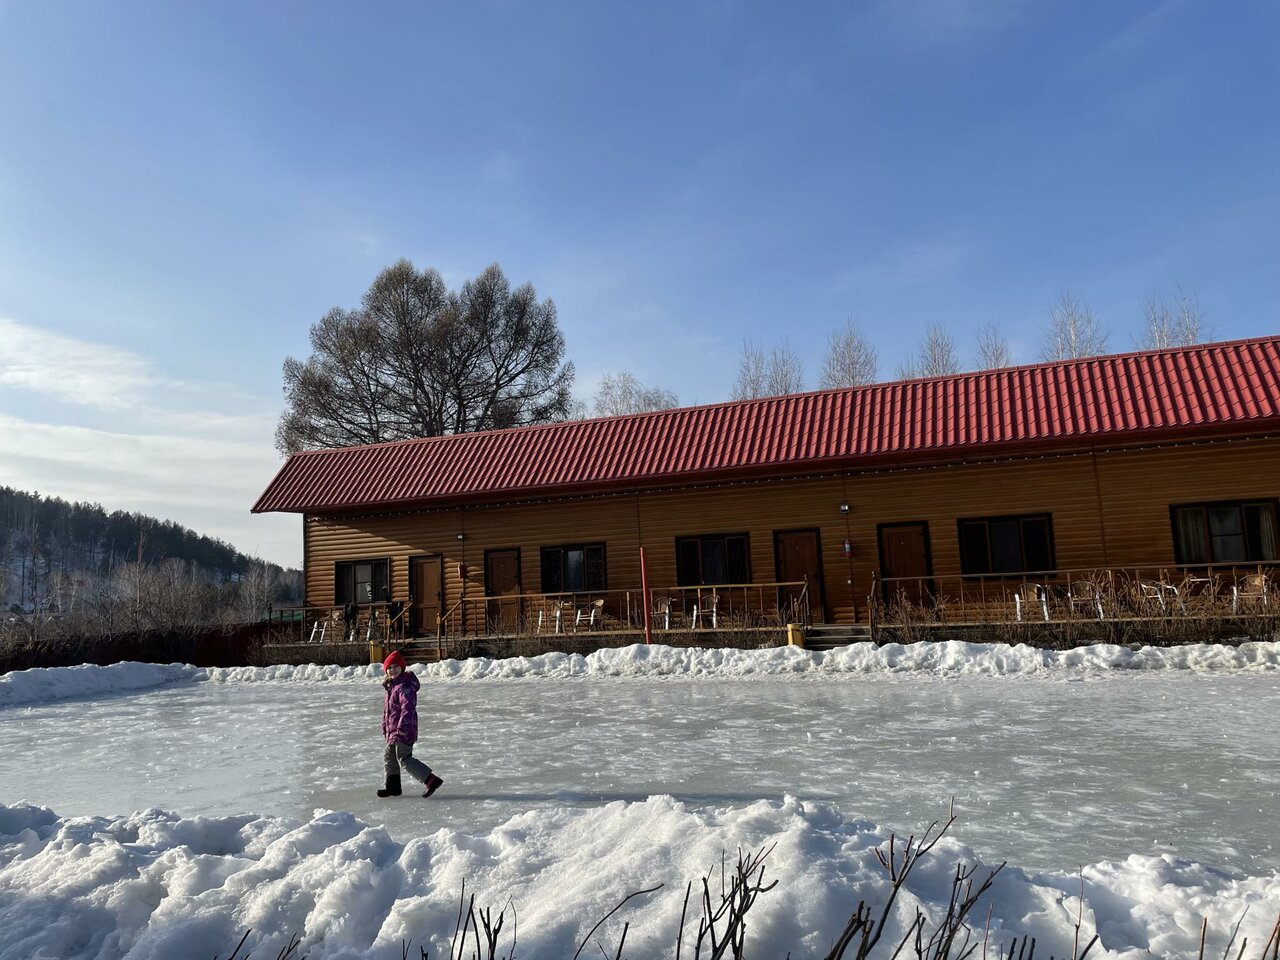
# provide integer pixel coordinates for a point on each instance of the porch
(1156, 593)
(744, 608)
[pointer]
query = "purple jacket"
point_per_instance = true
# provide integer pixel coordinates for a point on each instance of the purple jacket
(400, 712)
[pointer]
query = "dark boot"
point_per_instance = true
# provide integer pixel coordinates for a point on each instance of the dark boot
(432, 784)
(392, 789)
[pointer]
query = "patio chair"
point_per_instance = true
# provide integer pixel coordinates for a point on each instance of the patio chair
(662, 612)
(1087, 594)
(589, 613)
(1254, 587)
(707, 603)
(1030, 594)
(1161, 592)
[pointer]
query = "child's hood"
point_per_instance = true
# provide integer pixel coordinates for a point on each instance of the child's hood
(408, 679)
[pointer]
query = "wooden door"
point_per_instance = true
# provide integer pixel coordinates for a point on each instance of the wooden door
(904, 552)
(799, 557)
(502, 586)
(426, 587)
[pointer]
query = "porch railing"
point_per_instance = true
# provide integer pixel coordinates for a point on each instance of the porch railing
(723, 607)
(1111, 593)
(387, 621)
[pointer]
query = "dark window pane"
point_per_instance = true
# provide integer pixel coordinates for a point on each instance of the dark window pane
(1035, 544)
(573, 569)
(713, 560)
(737, 569)
(342, 584)
(595, 571)
(1225, 521)
(1226, 534)
(1189, 536)
(688, 564)
(973, 547)
(1260, 531)
(1229, 549)
(1006, 546)
(552, 571)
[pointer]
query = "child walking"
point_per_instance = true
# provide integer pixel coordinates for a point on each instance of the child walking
(400, 728)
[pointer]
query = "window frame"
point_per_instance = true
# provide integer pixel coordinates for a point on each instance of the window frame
(350, 585)
(563, 549)
(1026, 569)
(699, 539)
(1205, 506)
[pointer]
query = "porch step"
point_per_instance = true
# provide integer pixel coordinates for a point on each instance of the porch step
(829, 636)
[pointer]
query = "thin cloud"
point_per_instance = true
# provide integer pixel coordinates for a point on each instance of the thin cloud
(207, 485)
(71, 370)
(933, 23)
(125, 435)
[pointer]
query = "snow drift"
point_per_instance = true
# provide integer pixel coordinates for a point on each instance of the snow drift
(946, 659)
(153, 885)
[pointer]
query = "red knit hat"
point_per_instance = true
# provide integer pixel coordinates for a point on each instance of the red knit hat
(394, 659)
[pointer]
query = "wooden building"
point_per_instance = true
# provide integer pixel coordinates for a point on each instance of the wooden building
(748, 512)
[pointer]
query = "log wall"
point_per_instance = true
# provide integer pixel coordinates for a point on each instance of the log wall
(1108, 509)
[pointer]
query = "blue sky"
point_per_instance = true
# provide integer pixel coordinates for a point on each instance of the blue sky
(185, 188)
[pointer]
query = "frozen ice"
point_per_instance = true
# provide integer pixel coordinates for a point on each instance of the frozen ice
(571, 781)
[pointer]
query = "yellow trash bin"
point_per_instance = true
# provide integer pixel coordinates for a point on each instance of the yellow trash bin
(795, 635)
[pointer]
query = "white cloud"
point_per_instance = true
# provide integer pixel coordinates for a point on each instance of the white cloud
(909, 264)
(72, 370)
(207, 485)
(933, 23)
(193, 451)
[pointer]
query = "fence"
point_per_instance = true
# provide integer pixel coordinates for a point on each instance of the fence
(1215, 591)
(723, 607)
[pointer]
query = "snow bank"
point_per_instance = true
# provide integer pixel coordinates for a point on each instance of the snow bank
(86, 680)
(153, 885)
(948, 659)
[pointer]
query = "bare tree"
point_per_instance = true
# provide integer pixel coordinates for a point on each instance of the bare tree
(417, 360)
(993, 348)
(779, 373)
(1073, 331)
(1177, 324)
(937, 356)
(786, 371)
(752, 373)
(851, 359)
(622, 393)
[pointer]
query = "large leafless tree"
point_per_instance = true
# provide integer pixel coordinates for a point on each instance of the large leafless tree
(774, 374)
(936, 357)
(1175, 323)
(418, 360)
(851, 359)
(622, 393)
(1073, 331)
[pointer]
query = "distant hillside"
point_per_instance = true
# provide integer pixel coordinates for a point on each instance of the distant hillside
(41, 536)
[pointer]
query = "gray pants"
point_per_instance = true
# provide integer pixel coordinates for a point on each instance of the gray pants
(399, 755)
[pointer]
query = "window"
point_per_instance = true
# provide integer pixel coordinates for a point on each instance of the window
(573, 569)
(722, 558)
(1229, 532)
(1006, 544)
(360, 581)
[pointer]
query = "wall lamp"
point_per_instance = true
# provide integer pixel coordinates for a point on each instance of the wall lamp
(462, 536)
(844, 508)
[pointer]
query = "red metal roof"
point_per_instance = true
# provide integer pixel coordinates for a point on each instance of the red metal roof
(1219, 388)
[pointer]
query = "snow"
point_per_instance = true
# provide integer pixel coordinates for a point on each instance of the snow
(572, 781)
(951, 658)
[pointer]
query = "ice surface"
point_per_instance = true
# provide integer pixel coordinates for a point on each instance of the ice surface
(1158, 768)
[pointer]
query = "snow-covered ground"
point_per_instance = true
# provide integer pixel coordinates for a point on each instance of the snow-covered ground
(571, 781)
